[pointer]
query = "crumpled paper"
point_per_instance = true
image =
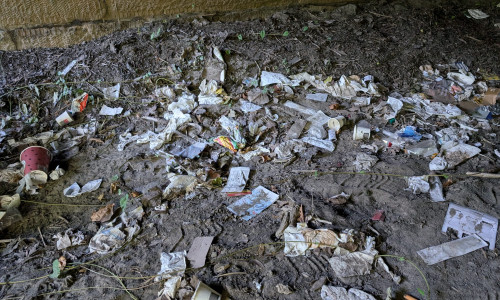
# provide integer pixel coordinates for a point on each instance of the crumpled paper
(179, 184)
(364, 162)
(208, 93)
(185, 103)
(111, 93)
(172, 264)
(233, 127)
(301, 238)
(418, 184)
(69, 239)
(111, 237)
(237, 180)
(345, 87)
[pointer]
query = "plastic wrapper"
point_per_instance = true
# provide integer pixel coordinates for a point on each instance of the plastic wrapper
(302, 109)
(111, 237)
(69, 239)
(352, 264)
(364, 162)
(248, 107)
(180, 184)
(74, 190)
(320, 97)
(318, 118)
(462, 78)
(110, 111)
(418, 184)
(254, 151)
(56, 173)
(361, 101)
(320, 143)
(436, 254)
(172, 264)
(317, 132)
(268, 78)
(289, 148)
(436, 189)
(300, 239)
(345, 87)
(164, 92)
(192, 151)
(208, 93)
(438, 164)
(226, 142)
(411, 133)
(112, 93)
(185, 103)
(339, 293)
(170, 287)
(424, 148)
(251, 205)
(233, 127)
(79, 103)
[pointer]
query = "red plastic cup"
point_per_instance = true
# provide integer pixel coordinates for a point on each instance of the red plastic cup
(35, 158)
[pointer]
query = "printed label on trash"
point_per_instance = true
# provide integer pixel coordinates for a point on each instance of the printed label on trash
(252, 205)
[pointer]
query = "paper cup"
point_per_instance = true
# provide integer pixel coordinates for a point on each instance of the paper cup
(64, 118)
(336, 123)
(35, 158)
(361, 131)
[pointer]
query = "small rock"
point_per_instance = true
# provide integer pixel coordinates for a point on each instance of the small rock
(318, 284)
(283, 289)
(219, 268)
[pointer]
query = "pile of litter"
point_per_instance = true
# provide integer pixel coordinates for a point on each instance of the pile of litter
(201, 130)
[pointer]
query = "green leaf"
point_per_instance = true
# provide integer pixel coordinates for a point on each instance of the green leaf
(305, 28)
(421, 292)
(114, 178)
(401, 258)
(262, 34)
(56, 270)
(240, 37)
(286, 33)
(123, 202)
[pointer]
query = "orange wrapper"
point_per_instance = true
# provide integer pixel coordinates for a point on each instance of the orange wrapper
(226, 142)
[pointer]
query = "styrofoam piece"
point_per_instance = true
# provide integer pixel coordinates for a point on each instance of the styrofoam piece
(439, 253)
(467, 221)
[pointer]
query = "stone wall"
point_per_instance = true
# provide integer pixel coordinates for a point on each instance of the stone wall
(58, 23)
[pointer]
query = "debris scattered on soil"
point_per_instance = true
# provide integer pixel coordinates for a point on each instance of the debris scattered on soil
(291, 156)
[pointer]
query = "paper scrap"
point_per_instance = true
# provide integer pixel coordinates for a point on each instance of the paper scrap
(198, 252)
(237, 180)
(110, 111)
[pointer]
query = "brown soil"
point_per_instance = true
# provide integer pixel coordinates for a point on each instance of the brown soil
(389, 41)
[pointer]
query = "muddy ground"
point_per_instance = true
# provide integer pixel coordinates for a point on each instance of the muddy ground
(388, 40)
